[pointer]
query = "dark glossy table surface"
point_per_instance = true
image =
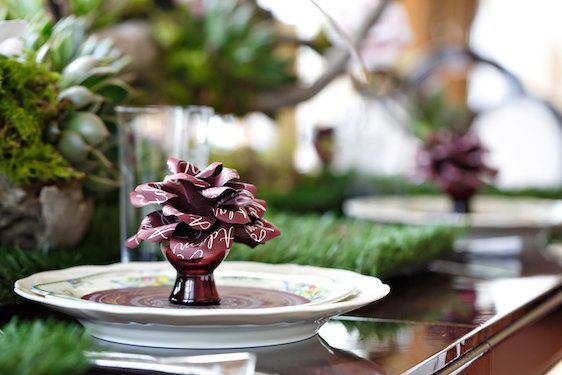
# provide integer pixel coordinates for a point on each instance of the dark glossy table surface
(428, 320)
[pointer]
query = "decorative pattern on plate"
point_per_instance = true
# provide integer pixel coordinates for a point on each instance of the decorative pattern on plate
(144, 281)
(231, 298)
(310, 291)
(314, 290)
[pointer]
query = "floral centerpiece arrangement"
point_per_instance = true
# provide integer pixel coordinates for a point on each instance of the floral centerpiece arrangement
(451, 156)
(455, 162)
(203, 212)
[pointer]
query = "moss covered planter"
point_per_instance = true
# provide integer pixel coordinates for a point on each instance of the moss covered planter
(41, 200)
(55, 133)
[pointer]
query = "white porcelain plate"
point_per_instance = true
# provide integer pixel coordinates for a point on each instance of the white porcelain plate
(488, 212)
(262, 304)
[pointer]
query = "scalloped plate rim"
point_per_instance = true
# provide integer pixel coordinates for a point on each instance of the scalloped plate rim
(361, 298)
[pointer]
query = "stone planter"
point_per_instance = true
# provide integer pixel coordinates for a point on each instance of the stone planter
(45, 217)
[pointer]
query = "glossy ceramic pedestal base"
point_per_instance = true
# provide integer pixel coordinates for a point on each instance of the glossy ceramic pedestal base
(195, 290)
(201, 337)
(461, 206)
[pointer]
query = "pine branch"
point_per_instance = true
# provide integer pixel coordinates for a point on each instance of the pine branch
(16, 264)
(43, 348)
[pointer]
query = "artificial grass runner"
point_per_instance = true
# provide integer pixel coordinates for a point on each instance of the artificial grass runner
(328, 192)
(363, 247)
(325, 241)
(44, 348)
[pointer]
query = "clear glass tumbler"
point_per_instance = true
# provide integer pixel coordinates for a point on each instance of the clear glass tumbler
(147, 137)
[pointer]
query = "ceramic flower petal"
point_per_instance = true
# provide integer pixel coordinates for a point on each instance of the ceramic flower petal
(11, 34)
(207, 203)
(455, 162)
(155, 227)
(226, 175)
(240, 216)
(259, 233)
(196, 222)
(180, 166)
(151, 193)
(186, 177)
(211, 171)
(158, 234)
(243, 186)
(219, 193)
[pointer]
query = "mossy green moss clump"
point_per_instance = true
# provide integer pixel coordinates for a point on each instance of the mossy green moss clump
(28, 103)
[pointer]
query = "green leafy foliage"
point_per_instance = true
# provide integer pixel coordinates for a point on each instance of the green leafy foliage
(101, 244)
(435, 112)
(89, 66)
(91, 87)
(102, 13)
(28, 103)
(367, 248)
(325, 192)
(219, 53)
(52, 135)
(401, 186)
(43, 348)
(368, 330)
(212, 52)
(85, 7)
(58, 45)
(21, 9)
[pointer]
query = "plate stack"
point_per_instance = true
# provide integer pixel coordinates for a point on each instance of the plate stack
(261, 304)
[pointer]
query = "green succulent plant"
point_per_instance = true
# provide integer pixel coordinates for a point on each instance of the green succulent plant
(219, 53)
(90, 86)
(84, 73)
(19, 9)
(434, 112)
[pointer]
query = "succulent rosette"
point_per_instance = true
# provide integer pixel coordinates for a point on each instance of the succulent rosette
(203, 211)
(455, 162)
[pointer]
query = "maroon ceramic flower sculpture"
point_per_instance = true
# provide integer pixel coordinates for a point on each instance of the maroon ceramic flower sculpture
(203, 213)
(456, 163)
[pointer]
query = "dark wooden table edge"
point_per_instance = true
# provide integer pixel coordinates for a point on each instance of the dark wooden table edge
(495, 330)
(474, 354)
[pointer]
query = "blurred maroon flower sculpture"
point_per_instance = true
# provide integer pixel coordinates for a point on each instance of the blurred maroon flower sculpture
(203, 213)
(456, 163)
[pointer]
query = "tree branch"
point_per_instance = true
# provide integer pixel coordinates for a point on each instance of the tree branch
(272, 101)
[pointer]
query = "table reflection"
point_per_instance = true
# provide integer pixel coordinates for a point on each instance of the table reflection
(311, 356)
(394, 346)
